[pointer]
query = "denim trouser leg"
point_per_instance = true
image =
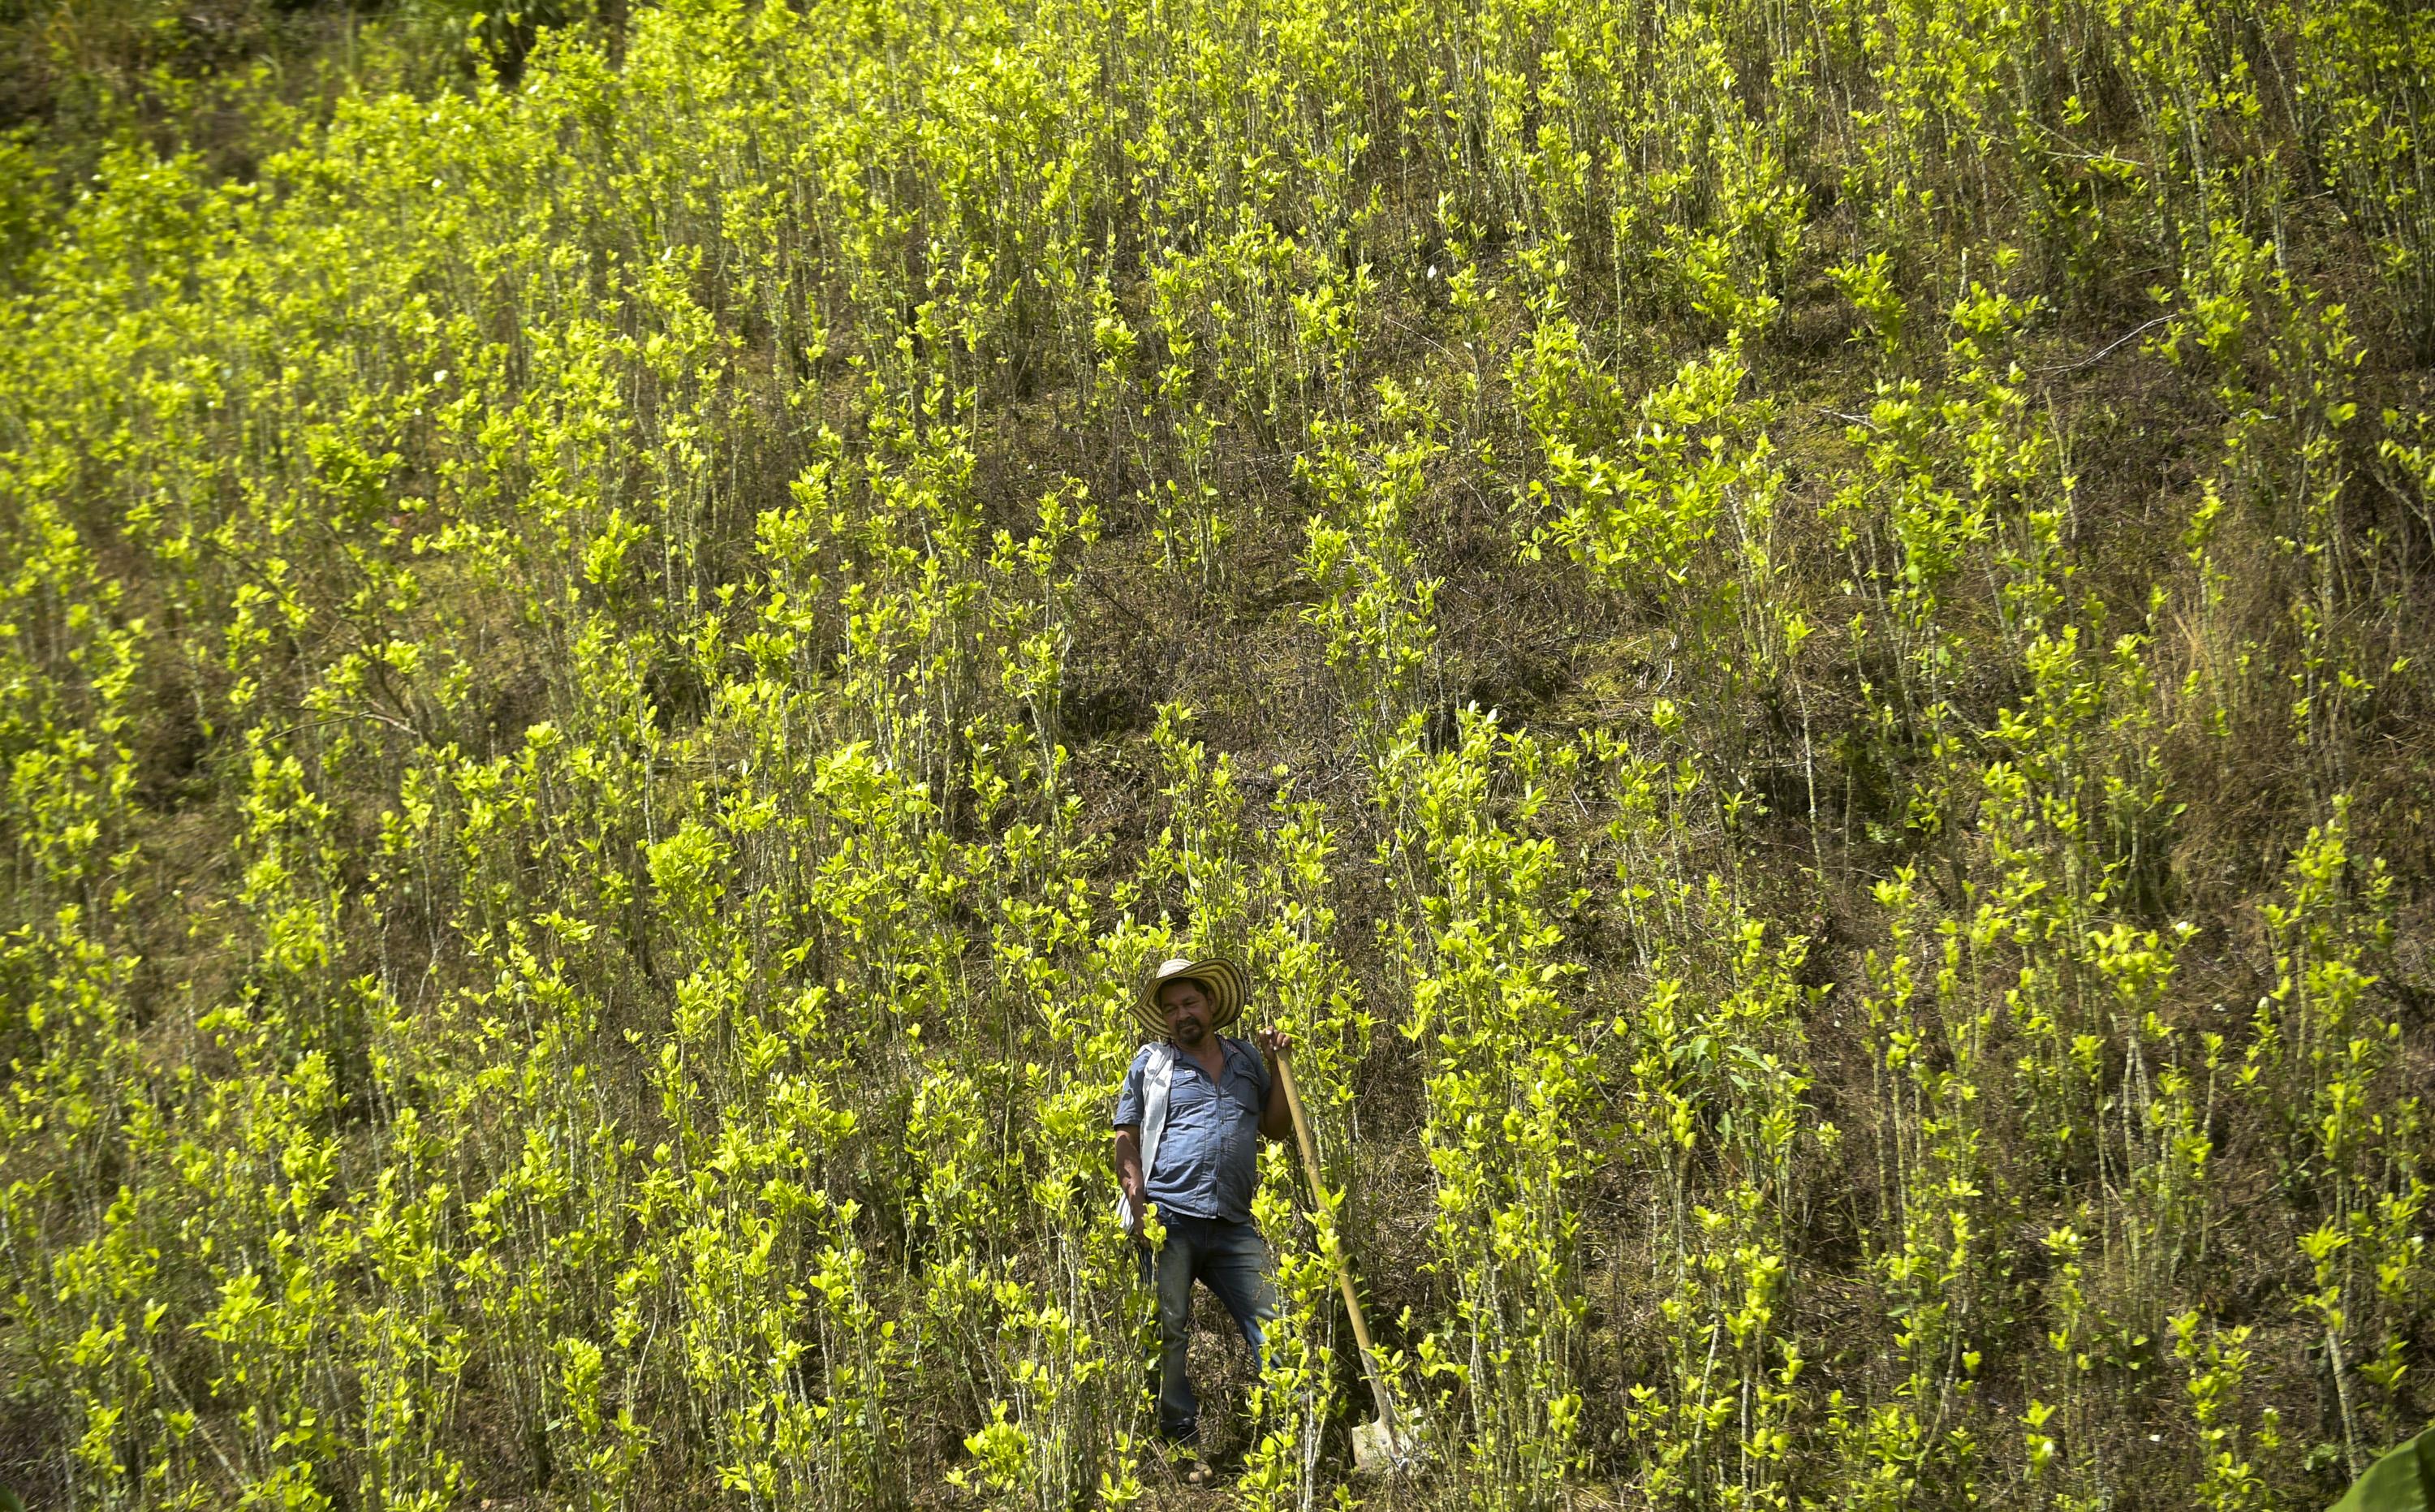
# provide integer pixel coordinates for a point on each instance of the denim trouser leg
(1232, 1260)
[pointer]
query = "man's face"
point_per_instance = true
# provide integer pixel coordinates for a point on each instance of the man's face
(1188, 1011)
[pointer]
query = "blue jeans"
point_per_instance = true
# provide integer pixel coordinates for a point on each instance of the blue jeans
(1232, 1260)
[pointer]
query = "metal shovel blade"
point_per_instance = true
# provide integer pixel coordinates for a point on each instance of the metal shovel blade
(1374, 1448)
(1377, 1449)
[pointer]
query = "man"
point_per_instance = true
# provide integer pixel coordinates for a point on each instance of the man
(1203, 1165)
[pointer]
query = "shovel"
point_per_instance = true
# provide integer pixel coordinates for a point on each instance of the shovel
(1389, 1442)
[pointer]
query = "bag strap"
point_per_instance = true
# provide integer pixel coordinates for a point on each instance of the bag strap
(1157, 1077)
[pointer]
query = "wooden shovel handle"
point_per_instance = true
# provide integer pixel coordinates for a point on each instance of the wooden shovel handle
(1344, 1265)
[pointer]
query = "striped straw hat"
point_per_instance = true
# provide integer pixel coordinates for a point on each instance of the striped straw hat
(1221, 980)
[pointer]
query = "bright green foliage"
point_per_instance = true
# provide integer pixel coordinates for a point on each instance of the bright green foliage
(1785, 636)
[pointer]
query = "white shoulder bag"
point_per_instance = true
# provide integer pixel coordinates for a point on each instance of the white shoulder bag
(1156, 1078)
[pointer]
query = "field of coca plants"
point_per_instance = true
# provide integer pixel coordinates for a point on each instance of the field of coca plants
(1794, 639)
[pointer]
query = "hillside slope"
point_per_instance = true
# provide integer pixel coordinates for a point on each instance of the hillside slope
(1788, 636)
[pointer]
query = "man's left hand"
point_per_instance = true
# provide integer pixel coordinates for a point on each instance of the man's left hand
(1272, 1042)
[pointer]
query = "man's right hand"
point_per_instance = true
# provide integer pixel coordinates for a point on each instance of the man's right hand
(1129, 1178)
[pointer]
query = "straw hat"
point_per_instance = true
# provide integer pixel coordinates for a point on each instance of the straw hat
(1221, 980)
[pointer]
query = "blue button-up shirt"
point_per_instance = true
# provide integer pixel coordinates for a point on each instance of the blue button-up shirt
(1208, 1154)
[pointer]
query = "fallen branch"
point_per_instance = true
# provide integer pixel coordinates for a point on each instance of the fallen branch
(2109, 348)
